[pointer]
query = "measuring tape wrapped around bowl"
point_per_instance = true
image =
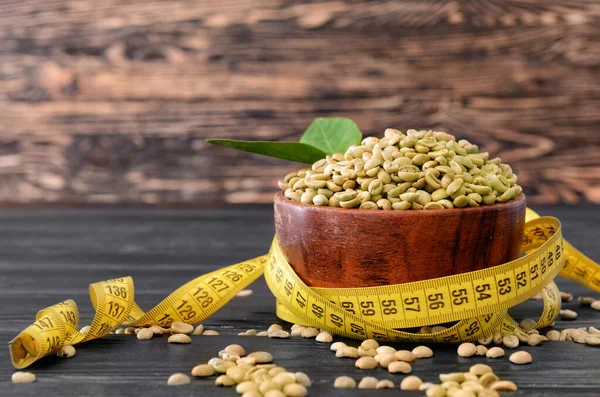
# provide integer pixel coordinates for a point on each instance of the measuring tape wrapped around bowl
(478, 301)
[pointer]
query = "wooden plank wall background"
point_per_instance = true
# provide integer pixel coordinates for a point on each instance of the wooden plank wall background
(110, 101)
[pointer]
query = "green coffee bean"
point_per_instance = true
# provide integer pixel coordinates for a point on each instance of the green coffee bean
(400, 189)
(307, 197)
(421, 148)
(373, 172)
(429, 164)
(355, 202)
(408, 176)
(446, 203)
(364, 184)
(334, 202)
(410, 197)
(475, 196)
(420, 184)
(320, 199)
(349, 185)
(456, 168)
(334, 187)
(315, 184)
(507, 195)
(433, 206)
(363, 196)
(346, 195)
(482, 190)
(431, 177)
(325, 192)
(369, 205)
(390, 167)
(424, 197)
(375, 187)
(465, 161)
(384, 177)
(402, 205)
(384, 204)
(466, 177)
(488, 199)
(496, 184)
(439, 194)
(420, 159)
(372, 163)
(461, 201)
(388, 187)
(454, 186)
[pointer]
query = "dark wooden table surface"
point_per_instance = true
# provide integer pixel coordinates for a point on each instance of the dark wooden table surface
(50, 255)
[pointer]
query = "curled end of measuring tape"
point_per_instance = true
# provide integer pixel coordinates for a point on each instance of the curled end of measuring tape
(578, 267)
(45, 335)
(22, 350)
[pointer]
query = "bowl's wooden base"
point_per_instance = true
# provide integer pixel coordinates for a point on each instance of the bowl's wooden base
(335, 247)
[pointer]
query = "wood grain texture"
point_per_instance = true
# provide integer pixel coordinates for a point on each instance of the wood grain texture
(51, 255)
(111, 102)
(345, 248)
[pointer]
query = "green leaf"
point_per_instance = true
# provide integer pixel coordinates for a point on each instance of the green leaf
(332, 134)
(292, 151)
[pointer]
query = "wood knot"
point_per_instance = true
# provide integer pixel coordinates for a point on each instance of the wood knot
(57, 81)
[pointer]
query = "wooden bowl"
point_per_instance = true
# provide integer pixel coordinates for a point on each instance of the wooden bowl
(336, 247)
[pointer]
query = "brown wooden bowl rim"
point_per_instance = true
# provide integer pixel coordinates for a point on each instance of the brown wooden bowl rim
(392, 213)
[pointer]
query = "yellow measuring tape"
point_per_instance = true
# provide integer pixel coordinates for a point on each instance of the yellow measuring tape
(478, 301)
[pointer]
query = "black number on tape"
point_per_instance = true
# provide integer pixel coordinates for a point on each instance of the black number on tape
(44, 323)
(414, 302)
(300, 300)
(233, 276)
(166, 320)
(246, 267)
(521, 279)
(504, 286)
(115, 310)
(53, 342)
(317, 310)
(186, 311)
(534, 272)
(357, 329)
(472, 328)
(349, 306)
(543, 265)
(217, 284)
(69, 317)
(104, 329)
(202, 297)
(288, 287)
(450, 338)
(337, 320)
(367, 308)
(435, 301)
(117, 291)
(480, 289)
(460, 296)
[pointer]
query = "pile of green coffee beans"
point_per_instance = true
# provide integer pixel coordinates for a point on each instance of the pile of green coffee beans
(417, 170)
